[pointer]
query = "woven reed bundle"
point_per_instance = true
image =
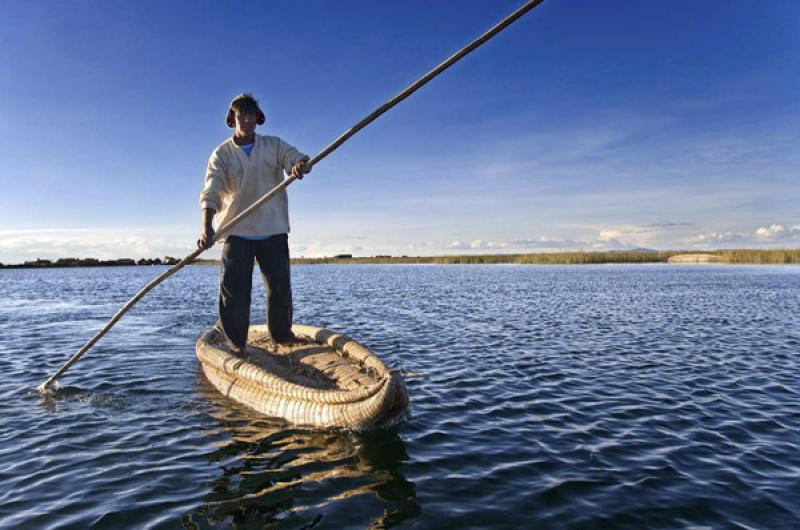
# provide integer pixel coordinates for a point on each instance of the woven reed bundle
(330, 381)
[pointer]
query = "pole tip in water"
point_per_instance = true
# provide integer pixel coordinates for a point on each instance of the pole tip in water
(47, 390)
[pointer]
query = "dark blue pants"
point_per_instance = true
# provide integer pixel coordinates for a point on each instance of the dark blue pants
(236, 283)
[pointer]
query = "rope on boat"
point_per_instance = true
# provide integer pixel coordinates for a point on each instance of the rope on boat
(416, 85)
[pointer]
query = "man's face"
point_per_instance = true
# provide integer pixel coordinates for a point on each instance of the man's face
(246, 123)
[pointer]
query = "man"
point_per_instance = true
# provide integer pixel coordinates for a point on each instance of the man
(241, 170)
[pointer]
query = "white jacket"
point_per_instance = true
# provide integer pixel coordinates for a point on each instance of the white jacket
(234, 181)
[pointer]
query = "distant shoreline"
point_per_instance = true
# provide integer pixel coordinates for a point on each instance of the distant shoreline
(734, 256)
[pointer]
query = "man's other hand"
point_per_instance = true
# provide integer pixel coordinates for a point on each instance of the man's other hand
(206, 240)
(301, 168)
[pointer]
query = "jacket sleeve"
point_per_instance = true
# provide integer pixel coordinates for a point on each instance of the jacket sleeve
(214, 182)
(288, 156)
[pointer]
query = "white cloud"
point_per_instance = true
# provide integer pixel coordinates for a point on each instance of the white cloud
(632, 236)
(17, 246)
(771, 232)
(607, 234)
(774, 235)
(485, 245)
(104, 243)
(320, 249)
(718, 237)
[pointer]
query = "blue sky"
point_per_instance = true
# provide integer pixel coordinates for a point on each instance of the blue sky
(585, 125)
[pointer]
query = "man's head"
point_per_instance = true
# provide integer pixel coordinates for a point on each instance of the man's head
(244, 105)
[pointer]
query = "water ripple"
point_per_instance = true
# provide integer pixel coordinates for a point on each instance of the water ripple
(619, 396)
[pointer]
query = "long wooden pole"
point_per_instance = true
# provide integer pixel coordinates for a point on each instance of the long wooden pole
(416, 85)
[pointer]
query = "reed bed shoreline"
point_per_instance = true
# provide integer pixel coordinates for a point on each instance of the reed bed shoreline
(726, 256)
(735, 256)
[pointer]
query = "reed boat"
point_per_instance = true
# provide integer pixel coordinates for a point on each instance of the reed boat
(326, 380)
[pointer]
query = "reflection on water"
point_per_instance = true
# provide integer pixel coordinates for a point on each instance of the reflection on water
(275, 476)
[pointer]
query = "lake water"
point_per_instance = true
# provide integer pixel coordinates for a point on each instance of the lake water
(621, 396)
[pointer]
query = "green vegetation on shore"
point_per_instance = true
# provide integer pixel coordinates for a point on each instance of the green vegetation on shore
(571, 258)
(545, 258)
(760, 256)
(753, 256)
(90, 262)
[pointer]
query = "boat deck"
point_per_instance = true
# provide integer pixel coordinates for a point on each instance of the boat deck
(307, 363)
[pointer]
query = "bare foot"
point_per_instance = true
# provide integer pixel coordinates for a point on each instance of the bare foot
(291, 340)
